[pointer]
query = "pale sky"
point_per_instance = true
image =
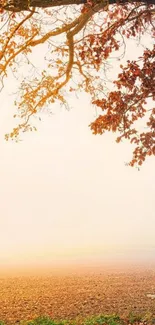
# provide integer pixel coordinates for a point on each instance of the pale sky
(66, 196)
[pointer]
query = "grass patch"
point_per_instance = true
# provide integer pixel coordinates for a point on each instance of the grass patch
(93, 320)
(103, 319)
(134, 318)
(46, 321)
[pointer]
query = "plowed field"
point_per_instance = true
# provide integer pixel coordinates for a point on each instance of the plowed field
(72, 296)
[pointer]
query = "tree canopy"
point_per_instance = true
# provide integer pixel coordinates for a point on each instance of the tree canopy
(81, 36)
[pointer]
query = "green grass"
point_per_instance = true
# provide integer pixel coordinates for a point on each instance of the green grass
(94, 320)
(103, 319)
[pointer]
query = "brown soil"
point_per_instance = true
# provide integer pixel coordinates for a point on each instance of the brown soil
(72, 296)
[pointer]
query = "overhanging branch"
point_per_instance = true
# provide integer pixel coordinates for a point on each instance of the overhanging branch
(21, 5)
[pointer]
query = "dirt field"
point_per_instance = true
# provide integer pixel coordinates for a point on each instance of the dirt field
(71, 296)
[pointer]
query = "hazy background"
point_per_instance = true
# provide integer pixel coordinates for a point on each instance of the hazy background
(67, 197)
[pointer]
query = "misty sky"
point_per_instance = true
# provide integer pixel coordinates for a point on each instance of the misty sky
(66, 196)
